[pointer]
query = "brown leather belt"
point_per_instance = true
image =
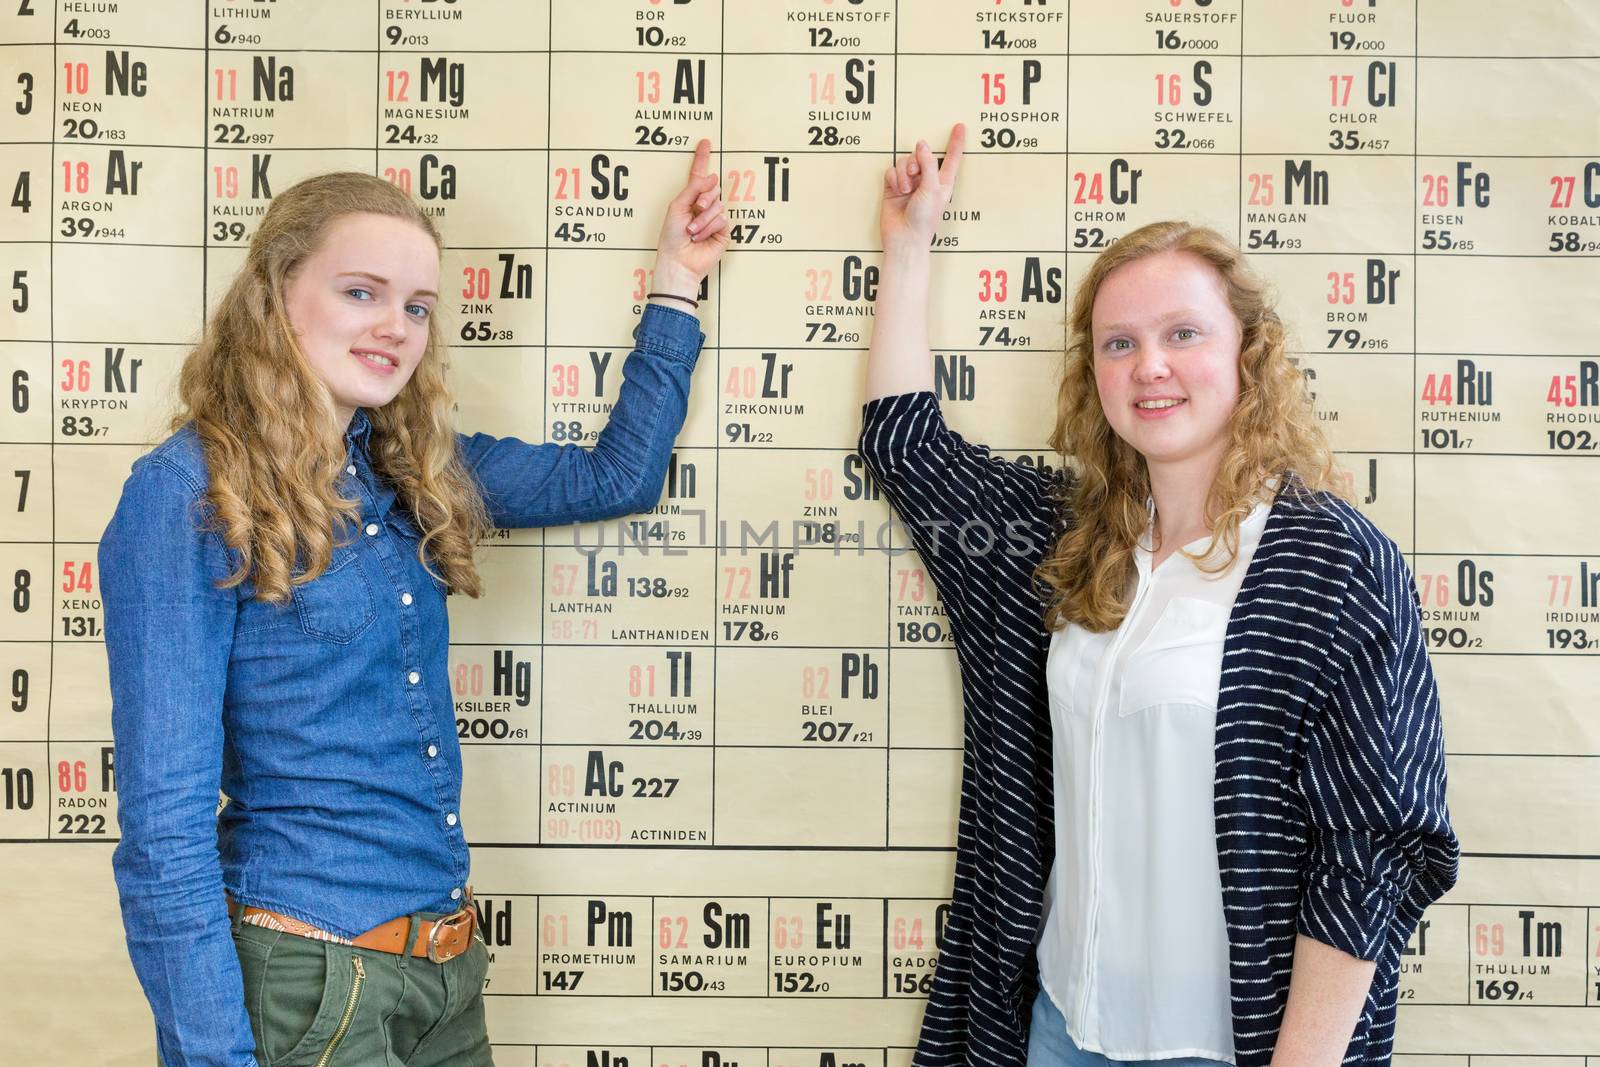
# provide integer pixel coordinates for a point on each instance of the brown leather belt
(437, 940)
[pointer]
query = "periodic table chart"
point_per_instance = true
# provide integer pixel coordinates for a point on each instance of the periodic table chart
(713, 751)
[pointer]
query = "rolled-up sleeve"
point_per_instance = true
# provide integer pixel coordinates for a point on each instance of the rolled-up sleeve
(622, 473)
(169, 633)
(1381, 844)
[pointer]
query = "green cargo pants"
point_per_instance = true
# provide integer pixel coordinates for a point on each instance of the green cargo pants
(317, 1004)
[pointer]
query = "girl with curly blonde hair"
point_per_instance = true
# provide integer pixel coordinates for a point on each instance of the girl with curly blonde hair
(1202, 806)
(274, 580)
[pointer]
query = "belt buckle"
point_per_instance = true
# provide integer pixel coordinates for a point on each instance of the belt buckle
(451, 923)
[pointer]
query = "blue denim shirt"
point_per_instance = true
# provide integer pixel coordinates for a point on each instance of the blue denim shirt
(328, 721)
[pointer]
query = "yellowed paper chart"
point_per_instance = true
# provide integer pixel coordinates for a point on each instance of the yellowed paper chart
(713, 752)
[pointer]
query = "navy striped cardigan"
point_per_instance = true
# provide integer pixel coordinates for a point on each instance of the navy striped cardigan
(1329, 784)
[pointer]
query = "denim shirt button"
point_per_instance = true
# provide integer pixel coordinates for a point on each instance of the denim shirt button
(405, 598)
(413, 677)
(350, 469)
(450, 819)
(372, 529)
(455, 894)
(433, 751)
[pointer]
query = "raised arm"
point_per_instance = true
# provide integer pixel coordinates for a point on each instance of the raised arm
(915, 192)
(954, 498)
(622, 473)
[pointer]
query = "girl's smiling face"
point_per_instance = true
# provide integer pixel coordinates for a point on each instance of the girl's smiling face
(359, 306)
(1166, 357)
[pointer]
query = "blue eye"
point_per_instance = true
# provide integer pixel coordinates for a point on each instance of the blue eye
(420, 311)
(364, 292)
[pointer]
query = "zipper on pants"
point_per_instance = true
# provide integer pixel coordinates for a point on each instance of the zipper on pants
(349, 1011)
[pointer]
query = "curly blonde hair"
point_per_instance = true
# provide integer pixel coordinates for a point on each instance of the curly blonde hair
(1089, 573)
(266, 423)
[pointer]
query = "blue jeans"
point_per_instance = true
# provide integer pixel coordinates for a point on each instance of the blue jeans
(1049, 1045)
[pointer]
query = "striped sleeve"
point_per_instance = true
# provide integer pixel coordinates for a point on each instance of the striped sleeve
(1374, 772)
(957, 501)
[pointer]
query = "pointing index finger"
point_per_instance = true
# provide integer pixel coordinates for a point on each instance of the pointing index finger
(702, 158)
(952, 153)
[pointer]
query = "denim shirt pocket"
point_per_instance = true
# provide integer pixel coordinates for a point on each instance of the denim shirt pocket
(402, 524)
(337, 605)
(405, 528)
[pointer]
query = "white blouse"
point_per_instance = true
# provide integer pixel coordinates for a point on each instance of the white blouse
(1134, 950)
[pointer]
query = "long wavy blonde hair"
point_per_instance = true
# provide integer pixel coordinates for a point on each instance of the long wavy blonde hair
(1089, 573)
(266, 422)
